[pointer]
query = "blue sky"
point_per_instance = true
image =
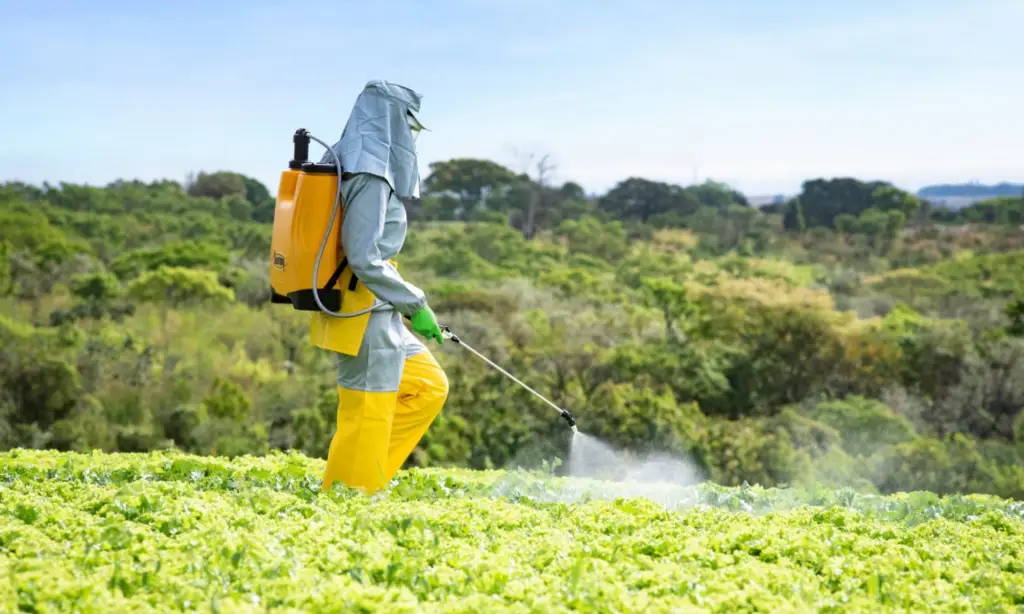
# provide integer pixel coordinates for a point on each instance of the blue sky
(760, 94)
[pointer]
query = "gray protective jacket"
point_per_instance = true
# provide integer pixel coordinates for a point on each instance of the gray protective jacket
(372, 232)
(378, 149)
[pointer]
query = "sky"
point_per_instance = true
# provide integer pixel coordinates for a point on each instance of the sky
(759, 94)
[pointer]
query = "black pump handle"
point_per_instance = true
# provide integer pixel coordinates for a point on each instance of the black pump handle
(301, 153)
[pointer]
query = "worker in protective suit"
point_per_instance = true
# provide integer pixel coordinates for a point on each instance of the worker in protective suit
(390, 387)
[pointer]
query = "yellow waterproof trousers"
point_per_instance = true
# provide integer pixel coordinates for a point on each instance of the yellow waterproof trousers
(377, 431)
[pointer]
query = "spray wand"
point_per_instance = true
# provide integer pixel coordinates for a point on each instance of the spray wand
(448, 334)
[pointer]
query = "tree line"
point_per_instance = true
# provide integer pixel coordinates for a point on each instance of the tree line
(851, 335)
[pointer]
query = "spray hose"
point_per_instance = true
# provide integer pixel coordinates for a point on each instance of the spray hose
(377, 306)
(380, 306)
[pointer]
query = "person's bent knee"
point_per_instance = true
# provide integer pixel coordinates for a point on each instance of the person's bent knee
(437, 389)
(435, 378)
(442, 385)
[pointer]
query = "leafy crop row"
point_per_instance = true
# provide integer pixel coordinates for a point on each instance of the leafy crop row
(169, 532)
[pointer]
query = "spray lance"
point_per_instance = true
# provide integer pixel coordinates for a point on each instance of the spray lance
(448, 334)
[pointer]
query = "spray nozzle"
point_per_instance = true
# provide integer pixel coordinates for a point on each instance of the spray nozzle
(568, 418)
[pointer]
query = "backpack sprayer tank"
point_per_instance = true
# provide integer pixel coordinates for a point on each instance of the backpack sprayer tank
(304, 243)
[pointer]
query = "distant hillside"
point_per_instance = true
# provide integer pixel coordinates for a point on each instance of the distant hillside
(971, 190)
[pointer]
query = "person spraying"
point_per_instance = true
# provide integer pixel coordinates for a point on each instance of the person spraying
(391, 388)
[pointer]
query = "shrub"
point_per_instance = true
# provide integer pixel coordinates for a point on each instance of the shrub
(865, 426)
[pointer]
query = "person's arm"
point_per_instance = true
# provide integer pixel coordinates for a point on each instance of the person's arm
(365, 202)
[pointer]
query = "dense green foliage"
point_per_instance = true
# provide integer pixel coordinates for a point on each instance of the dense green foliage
(167, 532)
(853, 336)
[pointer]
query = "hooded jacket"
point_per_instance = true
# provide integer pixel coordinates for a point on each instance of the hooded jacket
(378, 139)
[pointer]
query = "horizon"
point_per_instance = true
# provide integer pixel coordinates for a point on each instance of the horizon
(917, 94)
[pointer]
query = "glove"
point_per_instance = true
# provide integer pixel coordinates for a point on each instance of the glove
(425, 323)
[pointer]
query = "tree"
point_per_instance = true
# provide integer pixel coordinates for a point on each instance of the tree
(96, 295)
(890, 198)
(470, 181)
(186, 254)
(31, 232)
(845, 223)
(728, 226)
(793, 217)
(538, 197)
(179, 286)
(790, 354)
(571, 190)
(640, 199)
(96, 287)
(671, 299)
(227, 400)
(822, 200)
(263, 204)
(895, 221)
(717, 195)
(247, 198)
(1000, 210)
(873, 223)
(1014, 311)
(239, 208)
(39, 387)
(217, 185)
(588, 235)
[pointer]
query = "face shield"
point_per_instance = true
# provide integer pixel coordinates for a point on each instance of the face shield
(414, 125)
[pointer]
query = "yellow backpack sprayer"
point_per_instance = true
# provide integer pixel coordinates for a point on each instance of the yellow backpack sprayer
(302, 219)
(306, 192)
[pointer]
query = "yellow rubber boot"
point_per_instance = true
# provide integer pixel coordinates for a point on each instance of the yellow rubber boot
(358, 456)
(421, 395)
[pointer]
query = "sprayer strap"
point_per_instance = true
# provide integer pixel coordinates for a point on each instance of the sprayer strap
(337, 274)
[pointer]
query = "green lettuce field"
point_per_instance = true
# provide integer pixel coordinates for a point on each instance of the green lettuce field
(166, 531)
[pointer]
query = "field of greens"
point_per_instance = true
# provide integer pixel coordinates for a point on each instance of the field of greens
(171, 532)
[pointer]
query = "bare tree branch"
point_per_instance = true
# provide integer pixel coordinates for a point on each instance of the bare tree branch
(540, 173)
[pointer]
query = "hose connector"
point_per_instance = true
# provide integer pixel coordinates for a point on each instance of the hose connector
(448, 334)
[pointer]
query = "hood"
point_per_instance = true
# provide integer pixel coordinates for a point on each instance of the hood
(378, 139)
